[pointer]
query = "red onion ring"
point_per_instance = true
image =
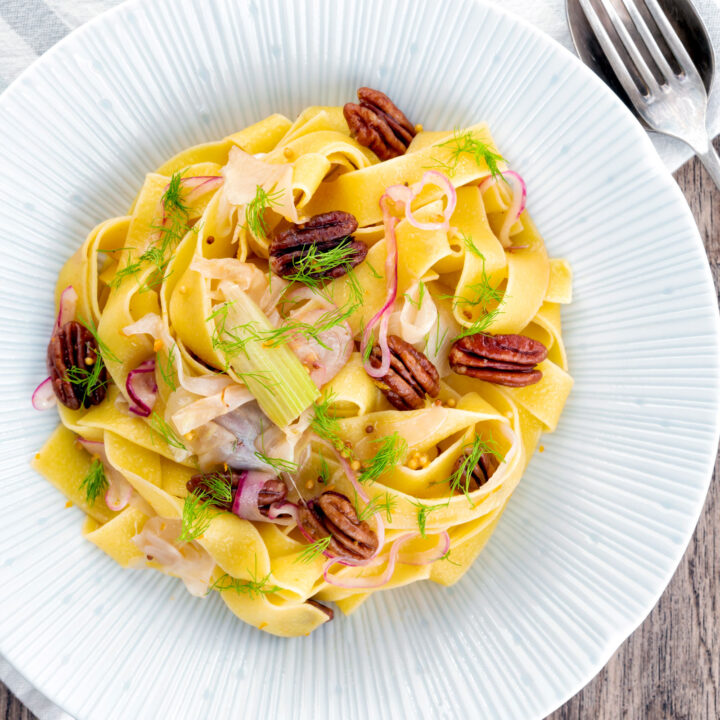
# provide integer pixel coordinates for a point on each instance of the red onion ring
(517, 203)
(369, 583)
(245, 502)
(43, 397)
(430, 177)
(379, 525)
(117, 496)
(391, 273)
(428, 556)
(66, 306)
(200, 185)
(285, 507)
(142, 388)
(401, 195)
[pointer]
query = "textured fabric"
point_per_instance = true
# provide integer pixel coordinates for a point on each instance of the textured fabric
(30, 27)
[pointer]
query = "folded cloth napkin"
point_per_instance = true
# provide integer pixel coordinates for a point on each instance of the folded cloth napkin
(29, 27)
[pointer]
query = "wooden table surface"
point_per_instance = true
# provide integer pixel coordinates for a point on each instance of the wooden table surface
(669, 669)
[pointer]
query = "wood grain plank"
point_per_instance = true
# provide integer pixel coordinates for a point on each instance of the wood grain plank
(669, 669)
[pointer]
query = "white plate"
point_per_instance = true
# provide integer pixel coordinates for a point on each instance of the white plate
(601, 519)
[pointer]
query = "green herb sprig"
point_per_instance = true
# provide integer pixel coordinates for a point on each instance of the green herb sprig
(160, 428)
(314, 550)
(377, 504)
(392, 450)
(167, 367)
(422, 514)
(95, 483)
(324, 424)
(87, 381)
(460, 478)
(421, 294)
(255, 587)
(277, 464)
(201, 507)
(486, 295)
(465, 143)
(310, 268)
(175, 224)
(255, 211)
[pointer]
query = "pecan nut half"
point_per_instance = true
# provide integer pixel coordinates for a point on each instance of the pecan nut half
(71, 357)
(319, 248)
(273, 490)
(411, 375)
(475, 478)
(501, 359)
(332, 514)
(378, 124)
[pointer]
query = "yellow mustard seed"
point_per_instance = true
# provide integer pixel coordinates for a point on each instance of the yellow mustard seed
(451, 402)
(309, 484)
(419, 128)
(288, 153)
(158, 345)
(89, 360)
(413, 463)
(69, 504)
(355, 465)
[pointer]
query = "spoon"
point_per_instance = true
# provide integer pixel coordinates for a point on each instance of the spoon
(690, 31)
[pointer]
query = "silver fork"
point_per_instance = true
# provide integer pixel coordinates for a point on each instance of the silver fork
(676, 106)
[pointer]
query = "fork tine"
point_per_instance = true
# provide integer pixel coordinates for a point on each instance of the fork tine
(635, 55)
(674, 43)
(649, 40)
(608, 47)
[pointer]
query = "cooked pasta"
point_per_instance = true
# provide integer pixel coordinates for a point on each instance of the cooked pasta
(311, 362)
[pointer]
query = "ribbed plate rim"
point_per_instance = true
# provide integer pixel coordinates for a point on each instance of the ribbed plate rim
(661, 175)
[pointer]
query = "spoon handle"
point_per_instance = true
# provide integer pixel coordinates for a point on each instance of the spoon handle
(711, 161)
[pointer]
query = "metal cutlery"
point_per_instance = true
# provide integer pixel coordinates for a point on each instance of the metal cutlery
(666, 81)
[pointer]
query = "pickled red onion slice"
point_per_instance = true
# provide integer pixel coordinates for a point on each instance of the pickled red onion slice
(517, 203)
(401, 195)
(377, 581)
(43, 397)
(67, 306)
(142, 388)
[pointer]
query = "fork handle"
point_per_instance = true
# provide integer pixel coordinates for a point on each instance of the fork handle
(711, 161)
